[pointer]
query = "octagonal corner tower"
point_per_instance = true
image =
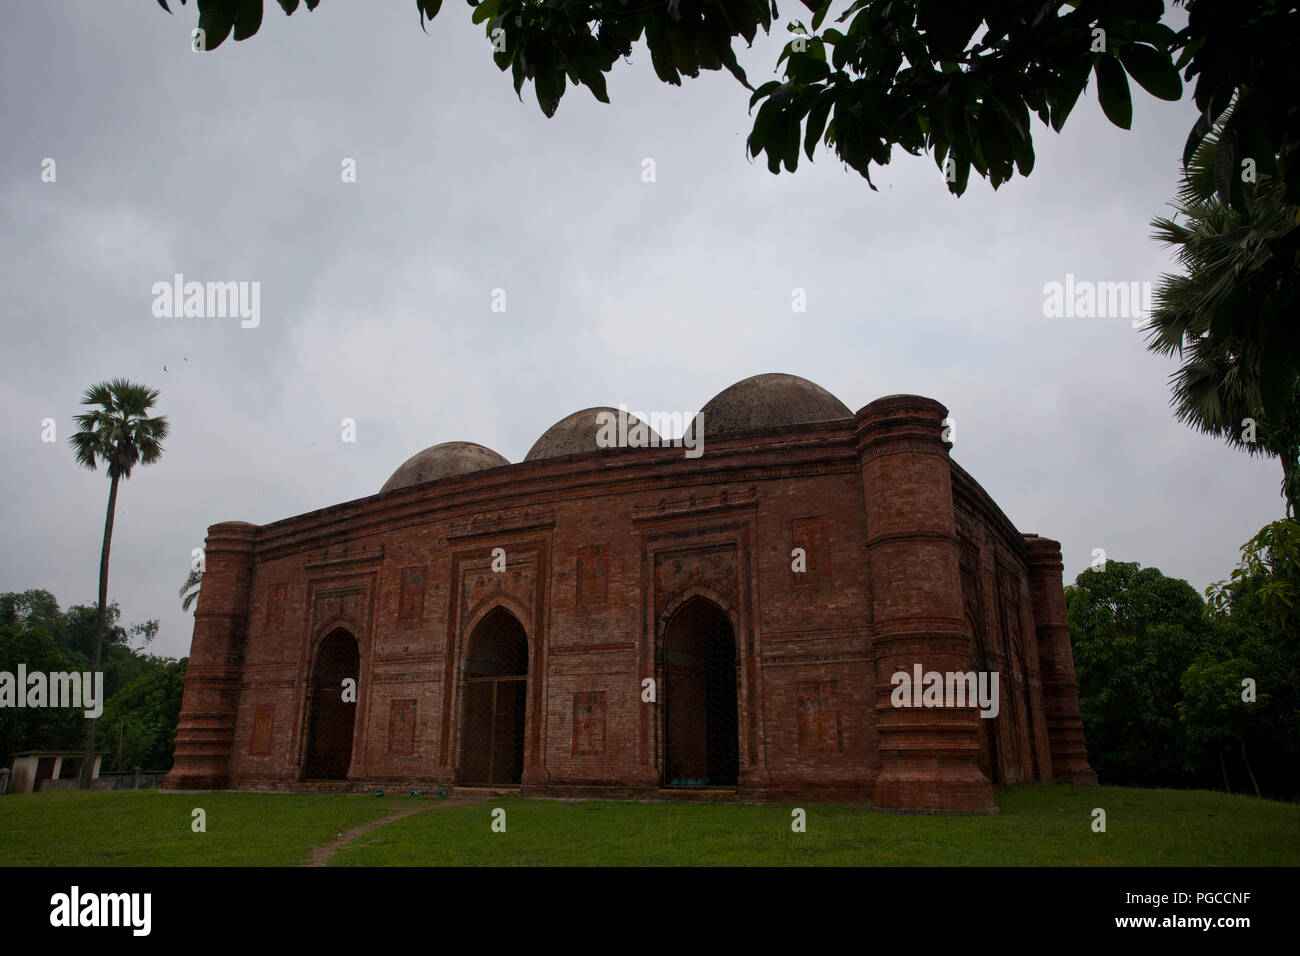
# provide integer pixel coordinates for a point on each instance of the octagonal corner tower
(712, 606)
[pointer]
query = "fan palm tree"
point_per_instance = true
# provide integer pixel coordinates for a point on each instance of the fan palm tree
(120, 435)
(189, 592)
(1231, 262)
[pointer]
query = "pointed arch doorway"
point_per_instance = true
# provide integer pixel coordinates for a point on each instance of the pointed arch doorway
(332, 719)
(496, 694)
(701, 716)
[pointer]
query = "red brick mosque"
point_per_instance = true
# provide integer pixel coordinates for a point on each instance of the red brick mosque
(643, 622)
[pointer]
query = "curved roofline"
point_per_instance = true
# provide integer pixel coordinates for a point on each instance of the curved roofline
(982, 502)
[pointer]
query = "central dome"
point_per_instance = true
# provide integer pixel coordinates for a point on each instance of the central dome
(577, 433)
(447, 460)
(768, 401)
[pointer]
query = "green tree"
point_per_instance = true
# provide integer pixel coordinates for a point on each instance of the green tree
(34, 728)
(138, 728)
(1228, 258)
(75, 629)
(1267, 579)
(119, 434)
(1135, 633)
(1213, 709)
(31, 610)
(1258, 612)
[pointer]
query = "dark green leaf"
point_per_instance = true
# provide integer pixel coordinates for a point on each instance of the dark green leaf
(549, 85)
(216, 19)
(594, 80)
(1064, 93)
(428, 9)
(1112, 90)
(764, 90)
(663, 65)
(817, 117)
(485, 11)
(791, 150)
(248, 18)
(820, 15)
(1152, 69)
(807, 69)
(767, 116)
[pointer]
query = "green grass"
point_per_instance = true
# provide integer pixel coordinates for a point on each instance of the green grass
(1036, 826)
(152, 828)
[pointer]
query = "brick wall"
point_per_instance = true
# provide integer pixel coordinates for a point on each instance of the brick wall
(601, 551)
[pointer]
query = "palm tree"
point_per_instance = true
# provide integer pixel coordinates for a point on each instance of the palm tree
(119, 434)
(189, 592)
(1230, 264)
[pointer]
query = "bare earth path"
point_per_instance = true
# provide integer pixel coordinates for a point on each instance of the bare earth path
(320, 856)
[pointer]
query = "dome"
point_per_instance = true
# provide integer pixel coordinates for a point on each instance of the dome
(769, 401)
(577, 433)
(447, 460)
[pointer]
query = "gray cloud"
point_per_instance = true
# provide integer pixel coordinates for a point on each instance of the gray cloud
(376, 295)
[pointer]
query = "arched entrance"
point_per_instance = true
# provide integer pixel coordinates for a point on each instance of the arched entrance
(329, 728)
(496, 692)
(701, 726)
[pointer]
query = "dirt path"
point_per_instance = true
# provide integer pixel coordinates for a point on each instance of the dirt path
(320, 856)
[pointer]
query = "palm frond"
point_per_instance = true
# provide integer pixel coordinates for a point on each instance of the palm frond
(118, 433)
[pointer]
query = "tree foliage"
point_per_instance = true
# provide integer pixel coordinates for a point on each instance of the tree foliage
(34, 728)
(189, 591)
(1135, 632)
(138, 728)
(36, 632)
(1267, 577)
(73, 631)
(1204, 315)
(1162, 693)
(119, 434)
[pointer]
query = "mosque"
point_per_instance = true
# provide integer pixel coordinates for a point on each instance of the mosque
(606, 620)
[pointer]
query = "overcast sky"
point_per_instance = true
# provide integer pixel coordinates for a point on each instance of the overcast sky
(376, 296)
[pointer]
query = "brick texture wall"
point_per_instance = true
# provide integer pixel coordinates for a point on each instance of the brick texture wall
(905, 559)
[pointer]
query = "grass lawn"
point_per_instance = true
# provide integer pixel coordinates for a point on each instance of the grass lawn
(1036, 826)
(152, 828)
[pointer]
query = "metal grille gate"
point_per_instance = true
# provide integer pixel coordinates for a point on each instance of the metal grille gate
(329, 736)
(496, 692)
(494, 731)
(700, 717)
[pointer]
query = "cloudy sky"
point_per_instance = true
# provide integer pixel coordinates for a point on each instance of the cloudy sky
(376, 296)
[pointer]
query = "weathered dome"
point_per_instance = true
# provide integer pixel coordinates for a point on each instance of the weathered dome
(769, 401)
(443, 461)
(577, 433)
